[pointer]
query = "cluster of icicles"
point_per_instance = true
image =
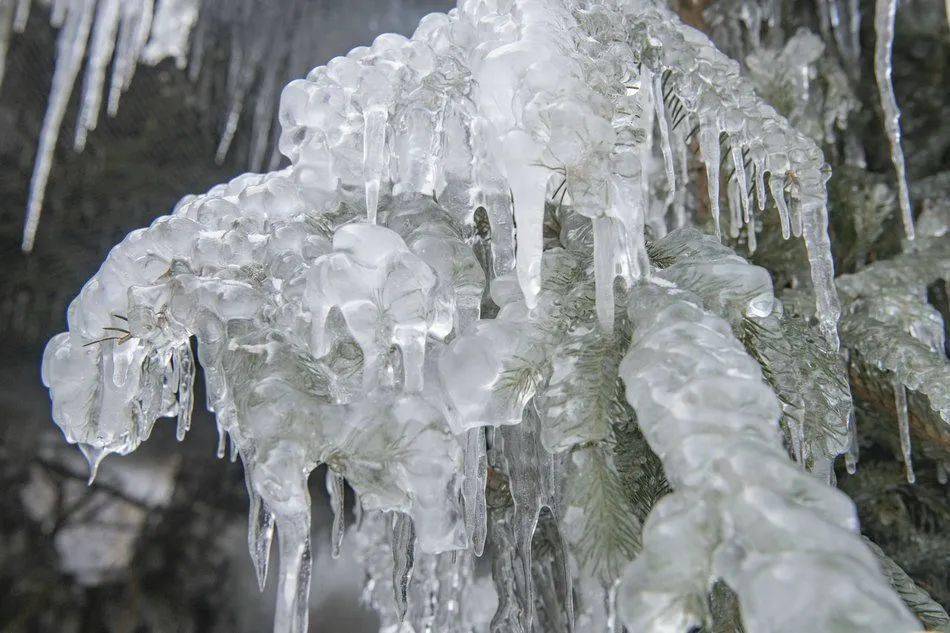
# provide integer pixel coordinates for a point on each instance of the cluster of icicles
(336, 306)
(268, 43)
(125, 32)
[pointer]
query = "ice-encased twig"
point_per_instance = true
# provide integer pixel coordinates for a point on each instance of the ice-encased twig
(784, 542)
(327, 339)
(807, 376)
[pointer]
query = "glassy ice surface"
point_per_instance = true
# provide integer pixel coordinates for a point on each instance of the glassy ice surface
(460, 288)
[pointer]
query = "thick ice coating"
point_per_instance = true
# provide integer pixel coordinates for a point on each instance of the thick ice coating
(778, 537)
(336, 307)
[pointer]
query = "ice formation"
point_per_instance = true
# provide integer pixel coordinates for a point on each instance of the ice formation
(775, 535)
(425, 302)
(142, 30)
(125, 33)
(887, 302)
(884, 15)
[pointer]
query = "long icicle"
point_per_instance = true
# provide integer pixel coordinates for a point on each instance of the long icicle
(70, 49)
(185, 360)
(884, 15)
(22, 15)
(100, 53)
(473, 489)
(6, 28)
(296, 562)
(903, 426)
(664, 126)
(260, 527)
(403, 544)
(335, 487)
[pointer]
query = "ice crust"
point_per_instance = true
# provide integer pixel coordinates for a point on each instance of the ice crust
(337, 310)
(778, 537)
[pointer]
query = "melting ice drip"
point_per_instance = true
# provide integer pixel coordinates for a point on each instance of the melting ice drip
(336, 303)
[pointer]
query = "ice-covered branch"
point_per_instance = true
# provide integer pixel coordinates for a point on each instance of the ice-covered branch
(337, 308)
(783, 541)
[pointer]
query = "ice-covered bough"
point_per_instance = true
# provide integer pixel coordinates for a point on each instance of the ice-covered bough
(777, 536)
(336, 306)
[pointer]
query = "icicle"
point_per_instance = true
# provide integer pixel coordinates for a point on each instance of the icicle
(709, 148)
(488, 193)
(777, 187)
(623, 250)
(751, 237)
(841, 28)
(222, 442)
(293, 585)
(196, 57)
(604, 271)
(70, 48)
(796, 436)
(237, 97)
(336, 490)
(134, 27)
(263, 117)
(611, 607)
(94, 456)
(903, 426)
(735, 208)
(100, 53)
(357, 512)
(22, 15)
(884, 14)
(451, 574)
(403, 544)
(58, 13)
(186, 388)
(851, 455)
(521, 447)
(528, 192)
(473, 488)
(741, 181)
(679, 200)
(854, 30)
(507, 617)
(505, 571)
(796, 209)
(374, 140)
(665, 146)
(646, 147)
(260, 532)
(814, 216)
(6, 27)
(759, 174)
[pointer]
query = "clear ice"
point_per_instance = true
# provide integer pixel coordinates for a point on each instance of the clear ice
(352, 310)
